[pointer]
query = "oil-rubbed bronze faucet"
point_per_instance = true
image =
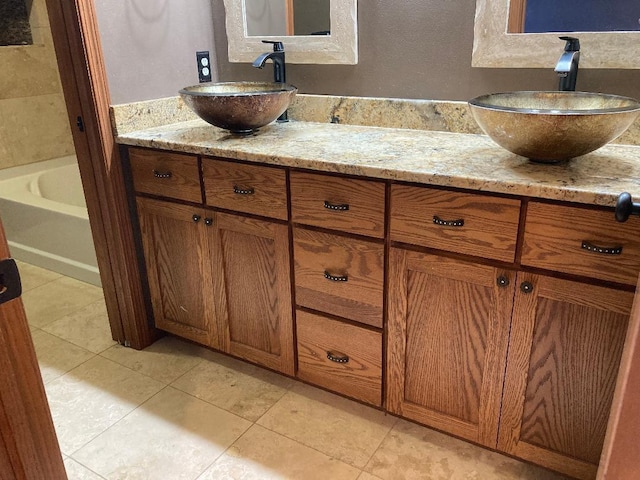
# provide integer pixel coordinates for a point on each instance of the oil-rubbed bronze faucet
(567, 66)
(279, 72)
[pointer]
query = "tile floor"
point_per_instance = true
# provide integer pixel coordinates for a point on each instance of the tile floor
(178, 411)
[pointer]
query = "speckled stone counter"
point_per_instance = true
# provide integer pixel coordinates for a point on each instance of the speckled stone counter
(414, 153)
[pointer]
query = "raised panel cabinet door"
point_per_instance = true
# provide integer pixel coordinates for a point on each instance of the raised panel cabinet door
(565, 348)
(448, 329)
(176, 250)
(252, 285)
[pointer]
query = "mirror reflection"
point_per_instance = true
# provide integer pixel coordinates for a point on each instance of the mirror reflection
(541, 16)
(277, 18)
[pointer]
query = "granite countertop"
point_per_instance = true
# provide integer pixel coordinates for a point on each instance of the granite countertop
(463, 160)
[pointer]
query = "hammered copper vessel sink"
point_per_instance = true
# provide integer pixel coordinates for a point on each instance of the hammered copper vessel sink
(241, 107)
(553, 126)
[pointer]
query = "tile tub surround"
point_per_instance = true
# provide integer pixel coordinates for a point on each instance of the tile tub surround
(462, 160)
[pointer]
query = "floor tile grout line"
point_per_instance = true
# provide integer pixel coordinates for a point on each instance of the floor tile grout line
(113, 425)
(84, 466)
(226, 449)
(384, 437)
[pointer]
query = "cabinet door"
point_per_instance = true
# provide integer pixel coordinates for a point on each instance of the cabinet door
(252, 283)
(565, 348)
(447, 342)
(174, 239)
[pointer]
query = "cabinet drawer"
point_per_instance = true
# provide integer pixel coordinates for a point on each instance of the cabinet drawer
(582, 241)
(166, 174)
(479, 225)
(339, 275)
(341, 357)
(354, 206)
(245, 188)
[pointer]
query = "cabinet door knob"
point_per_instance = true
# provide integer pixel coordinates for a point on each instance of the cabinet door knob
(626, 207)
(341, 207)
(526, 287)
(337, 357)
(448, 223)
(502, 281)
(208, 221)
(196, 218)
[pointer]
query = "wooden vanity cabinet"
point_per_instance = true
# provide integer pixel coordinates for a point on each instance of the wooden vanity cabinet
(252, 290)
(220, 279)
(476, 344)
(341, 279)
(565, 347)
(176, 251)
(448, 330)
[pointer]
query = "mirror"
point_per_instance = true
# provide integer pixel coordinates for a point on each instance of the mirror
(287, 17)
(541, 16)
(494, 46)
(339, 46)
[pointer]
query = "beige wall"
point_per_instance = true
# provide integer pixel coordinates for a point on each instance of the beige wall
(418, 49)
(150, 46)
(33, 118)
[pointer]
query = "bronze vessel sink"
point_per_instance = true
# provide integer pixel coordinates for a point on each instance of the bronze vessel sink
(553, 126)
(241, 107)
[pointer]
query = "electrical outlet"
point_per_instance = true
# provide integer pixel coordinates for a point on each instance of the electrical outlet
(204, 66)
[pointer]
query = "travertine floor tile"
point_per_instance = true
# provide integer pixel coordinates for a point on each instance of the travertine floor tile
(87, 327)
(367, 476)
(261, 454)
(32, 276)
(165, 360)
(172, 436)
(233, 385)
(47, 303)
(75, 471)
(413, 452)
(92, 397)
(56, 356)
(334, 425)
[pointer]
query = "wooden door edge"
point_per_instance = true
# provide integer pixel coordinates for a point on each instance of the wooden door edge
(79, 55)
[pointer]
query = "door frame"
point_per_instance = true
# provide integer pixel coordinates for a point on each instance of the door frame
(78, 49)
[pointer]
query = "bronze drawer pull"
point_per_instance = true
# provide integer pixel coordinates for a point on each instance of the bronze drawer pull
(586, 245)
(448, 223)
(342, 207)
(243, 191)
(158, 174)
(336, 278)
(208, 221)
(337, 357)
(196, 218)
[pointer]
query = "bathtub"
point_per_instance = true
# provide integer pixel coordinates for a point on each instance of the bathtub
(45, 218)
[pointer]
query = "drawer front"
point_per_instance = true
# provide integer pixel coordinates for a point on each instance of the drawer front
(245, 188)
(349, 205)
(582, 241)
(339, 275)
(341, 357)
(166, 174)
(479, 225)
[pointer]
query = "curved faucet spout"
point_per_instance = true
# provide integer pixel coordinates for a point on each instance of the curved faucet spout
(567, 66)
